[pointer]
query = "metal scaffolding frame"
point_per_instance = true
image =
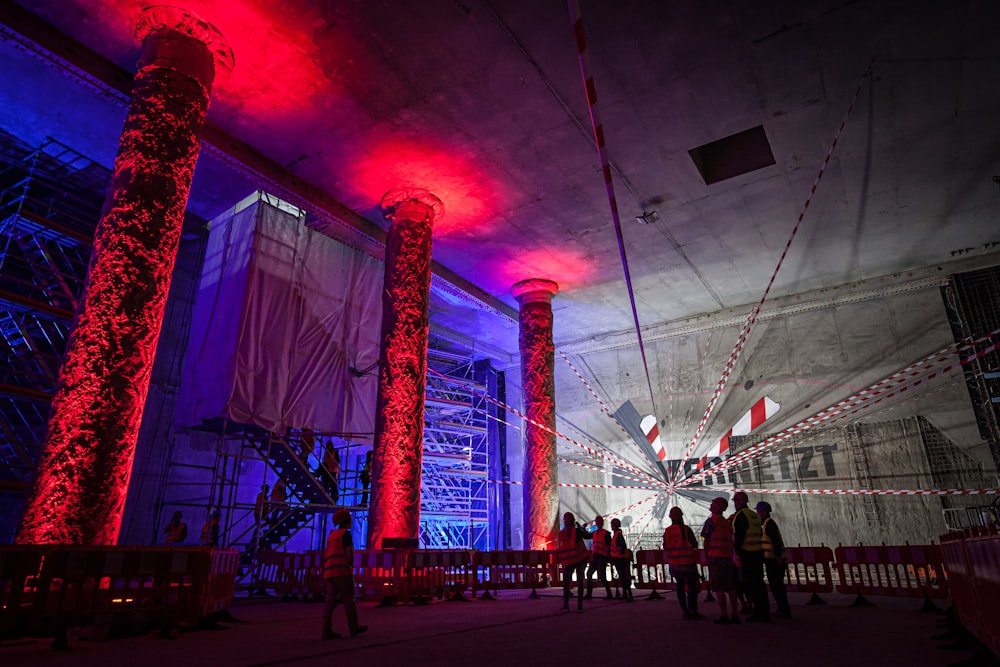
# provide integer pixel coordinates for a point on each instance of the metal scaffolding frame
(455, 486)
(50, 202)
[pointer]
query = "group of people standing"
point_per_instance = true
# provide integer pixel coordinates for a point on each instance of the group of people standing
(738, 550)
(609, 547)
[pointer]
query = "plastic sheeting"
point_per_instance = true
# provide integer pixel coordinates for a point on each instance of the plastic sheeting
(284, 323)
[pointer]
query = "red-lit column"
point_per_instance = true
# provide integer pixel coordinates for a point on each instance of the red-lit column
(82, 478)
(541, 479)
(399, 416)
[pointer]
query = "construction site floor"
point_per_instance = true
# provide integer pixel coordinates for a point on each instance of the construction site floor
(519, 631)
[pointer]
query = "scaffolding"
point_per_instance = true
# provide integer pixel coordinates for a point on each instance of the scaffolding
(457, 507)
(973, 303)
(50, 203)
(456, 459)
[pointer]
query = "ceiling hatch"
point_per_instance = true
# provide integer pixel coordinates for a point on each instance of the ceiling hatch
(734, 155)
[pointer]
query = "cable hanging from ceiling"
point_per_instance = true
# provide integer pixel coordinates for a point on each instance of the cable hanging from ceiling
(576, 22)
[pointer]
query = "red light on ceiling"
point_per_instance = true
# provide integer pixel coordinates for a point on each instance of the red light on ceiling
(278, 68)
(469, 201)
(567, 267)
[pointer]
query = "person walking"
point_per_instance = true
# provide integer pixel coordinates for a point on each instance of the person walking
(749, 548)
(621, 558)
(338, 573)
(718, 535)
(775, 560)
(572, 554)
(330, 471)
(681, 549)
(599, 558)
(278, 500)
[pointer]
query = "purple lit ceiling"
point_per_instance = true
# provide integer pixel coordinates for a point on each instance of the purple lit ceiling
(482, 102)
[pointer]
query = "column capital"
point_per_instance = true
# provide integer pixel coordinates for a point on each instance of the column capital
(159, 18)
(415, 204)
(534, 290)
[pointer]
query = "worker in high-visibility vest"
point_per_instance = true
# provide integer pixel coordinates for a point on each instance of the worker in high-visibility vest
(749, 548)
(571, 552)
(338, 572)
(600, 558)
(718, 535)
(681, 549)
(621, 558)
(775, 560)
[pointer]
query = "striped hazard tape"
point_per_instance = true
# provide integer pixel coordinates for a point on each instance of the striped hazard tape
(570, 485)
(605, 455)
(878, 492)
(883, 390)
(752, 317)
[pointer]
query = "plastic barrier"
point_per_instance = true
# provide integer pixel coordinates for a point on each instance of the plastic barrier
(652, 571)
(437, 573)
(269, 571)
(973, 561)
(507, 570)
(102, 587)
(895, 571)
(809, 571)
(19, 567)
(303, 576)
(381, 574)
(218, 592)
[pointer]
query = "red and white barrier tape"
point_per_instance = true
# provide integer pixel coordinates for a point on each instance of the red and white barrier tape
(880, 391)
(644, 519)
(655, 489)
(752, 317)
(879, 492)
(609, 457)
(604, 408)
(598, 469)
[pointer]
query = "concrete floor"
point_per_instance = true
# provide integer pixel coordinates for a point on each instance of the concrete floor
(515, 630)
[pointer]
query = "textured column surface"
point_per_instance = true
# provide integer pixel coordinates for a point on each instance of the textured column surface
(541, 480)
(82, 480)
(399, 416)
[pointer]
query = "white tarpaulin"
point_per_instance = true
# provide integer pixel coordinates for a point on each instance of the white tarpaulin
(284, 323)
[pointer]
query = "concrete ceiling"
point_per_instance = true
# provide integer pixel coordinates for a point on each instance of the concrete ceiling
(482, 102)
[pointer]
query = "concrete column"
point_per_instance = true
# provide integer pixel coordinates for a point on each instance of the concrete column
(82, 480)
(541, 479)
(399, 416)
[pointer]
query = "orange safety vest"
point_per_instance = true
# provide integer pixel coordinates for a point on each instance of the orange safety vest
(677, 547)
(335, 558)
(720, 543)
(752, 538)
(617, 551)
(571, 550)
(601, 542)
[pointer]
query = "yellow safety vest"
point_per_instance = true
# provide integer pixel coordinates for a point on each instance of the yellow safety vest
(752, 538)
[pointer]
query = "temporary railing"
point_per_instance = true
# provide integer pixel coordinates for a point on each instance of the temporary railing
(972, 557)
(47, 590)
(412, 575)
